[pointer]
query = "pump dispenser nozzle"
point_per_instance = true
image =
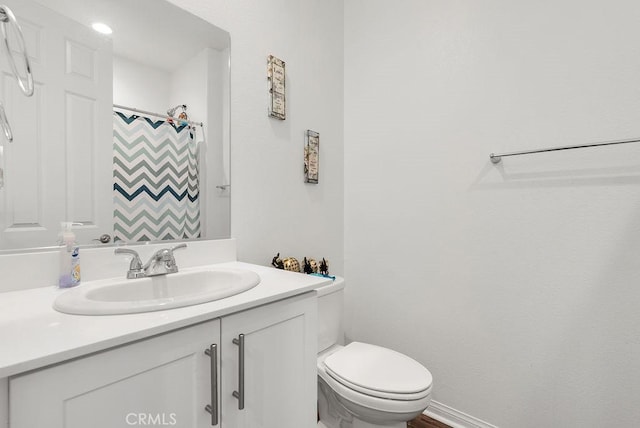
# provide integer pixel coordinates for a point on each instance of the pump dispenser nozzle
(67, 237)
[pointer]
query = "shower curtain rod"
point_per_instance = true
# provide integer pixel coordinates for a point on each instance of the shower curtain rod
(497, 157)
(190, 122)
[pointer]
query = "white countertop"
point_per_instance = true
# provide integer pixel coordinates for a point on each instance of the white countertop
(34, 335)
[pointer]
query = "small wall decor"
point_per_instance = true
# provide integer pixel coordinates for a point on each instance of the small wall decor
(311, 157)
(276, 78)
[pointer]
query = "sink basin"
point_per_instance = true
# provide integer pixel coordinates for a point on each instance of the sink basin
(156, 293)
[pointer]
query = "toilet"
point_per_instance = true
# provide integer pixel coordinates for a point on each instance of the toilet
(362, 385)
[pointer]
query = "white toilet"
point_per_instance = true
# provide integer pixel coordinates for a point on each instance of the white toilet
(362, 385)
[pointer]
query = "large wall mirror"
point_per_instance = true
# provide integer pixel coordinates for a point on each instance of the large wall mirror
(127, 134)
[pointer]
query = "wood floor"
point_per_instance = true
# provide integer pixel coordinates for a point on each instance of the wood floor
(423, 421)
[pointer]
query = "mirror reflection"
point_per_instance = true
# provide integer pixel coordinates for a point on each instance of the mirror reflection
(127, 132)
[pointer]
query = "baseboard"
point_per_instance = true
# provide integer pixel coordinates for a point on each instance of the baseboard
(454, 418)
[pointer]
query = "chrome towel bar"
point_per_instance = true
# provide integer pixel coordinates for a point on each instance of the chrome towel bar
(497, 157)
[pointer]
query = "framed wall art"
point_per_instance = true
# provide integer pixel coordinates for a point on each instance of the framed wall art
(311, 157)
(276, 79)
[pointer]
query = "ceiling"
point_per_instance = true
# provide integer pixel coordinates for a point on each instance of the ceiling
(152, 32)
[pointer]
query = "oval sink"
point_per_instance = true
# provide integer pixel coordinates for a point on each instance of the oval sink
(156, 293)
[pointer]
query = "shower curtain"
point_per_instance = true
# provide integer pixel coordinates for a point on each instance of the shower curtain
(155, 180)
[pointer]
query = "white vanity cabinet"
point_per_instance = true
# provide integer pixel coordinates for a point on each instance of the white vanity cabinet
(167, 380)
(163, 380)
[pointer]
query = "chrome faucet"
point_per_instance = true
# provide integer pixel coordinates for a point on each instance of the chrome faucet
(135, 267)
(161, 263)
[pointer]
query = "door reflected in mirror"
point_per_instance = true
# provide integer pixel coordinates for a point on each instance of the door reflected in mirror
(127, 133)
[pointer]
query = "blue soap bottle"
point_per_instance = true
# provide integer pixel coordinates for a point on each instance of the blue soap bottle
(69, 256)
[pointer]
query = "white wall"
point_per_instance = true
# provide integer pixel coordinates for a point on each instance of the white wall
(272, 209)
(199, 83)
(517, 285)
(140, 86)
(189, 86)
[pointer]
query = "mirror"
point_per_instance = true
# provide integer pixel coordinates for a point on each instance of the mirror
(93, 145)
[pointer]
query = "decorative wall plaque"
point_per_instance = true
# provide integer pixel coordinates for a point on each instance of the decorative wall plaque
(311, 157)
(276, 78)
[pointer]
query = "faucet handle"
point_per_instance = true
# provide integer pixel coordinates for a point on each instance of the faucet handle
(172, 260)
(177, 247)
(165, 254)
(135, 267)
(162, 261)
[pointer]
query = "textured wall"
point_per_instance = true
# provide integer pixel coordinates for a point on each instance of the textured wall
(517, 285)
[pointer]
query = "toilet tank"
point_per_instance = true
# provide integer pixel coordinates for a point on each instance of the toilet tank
(331, 314)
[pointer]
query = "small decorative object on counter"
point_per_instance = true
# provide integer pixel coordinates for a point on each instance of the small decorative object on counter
(324, 270)
(290, 263)
(276, 262)
(324, 267)
(310, 266)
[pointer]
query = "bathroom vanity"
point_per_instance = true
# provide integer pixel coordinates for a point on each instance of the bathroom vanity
(247, 360)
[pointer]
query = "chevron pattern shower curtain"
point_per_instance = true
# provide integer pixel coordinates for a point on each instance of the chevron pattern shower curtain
(155, 180)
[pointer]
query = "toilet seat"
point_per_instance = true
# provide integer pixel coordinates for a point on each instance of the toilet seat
(378, 372)
(378, 404)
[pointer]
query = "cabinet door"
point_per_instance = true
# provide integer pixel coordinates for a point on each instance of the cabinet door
(162, 381)
(279, 365)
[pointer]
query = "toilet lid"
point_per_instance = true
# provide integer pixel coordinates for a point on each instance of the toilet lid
(376, 369)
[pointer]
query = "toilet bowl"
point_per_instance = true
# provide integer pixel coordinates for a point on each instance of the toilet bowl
(362, 385)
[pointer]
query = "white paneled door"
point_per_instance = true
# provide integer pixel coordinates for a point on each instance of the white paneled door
(59, 166)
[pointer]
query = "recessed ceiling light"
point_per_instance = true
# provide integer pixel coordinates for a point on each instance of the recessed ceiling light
(101, 28)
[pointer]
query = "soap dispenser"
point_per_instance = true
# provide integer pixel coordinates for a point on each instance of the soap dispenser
(69, 256)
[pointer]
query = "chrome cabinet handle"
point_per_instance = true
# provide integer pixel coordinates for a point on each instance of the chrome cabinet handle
(213, 407)
(239, 394)
(7, 17)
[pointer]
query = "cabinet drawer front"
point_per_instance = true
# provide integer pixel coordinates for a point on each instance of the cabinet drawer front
(162, 381)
